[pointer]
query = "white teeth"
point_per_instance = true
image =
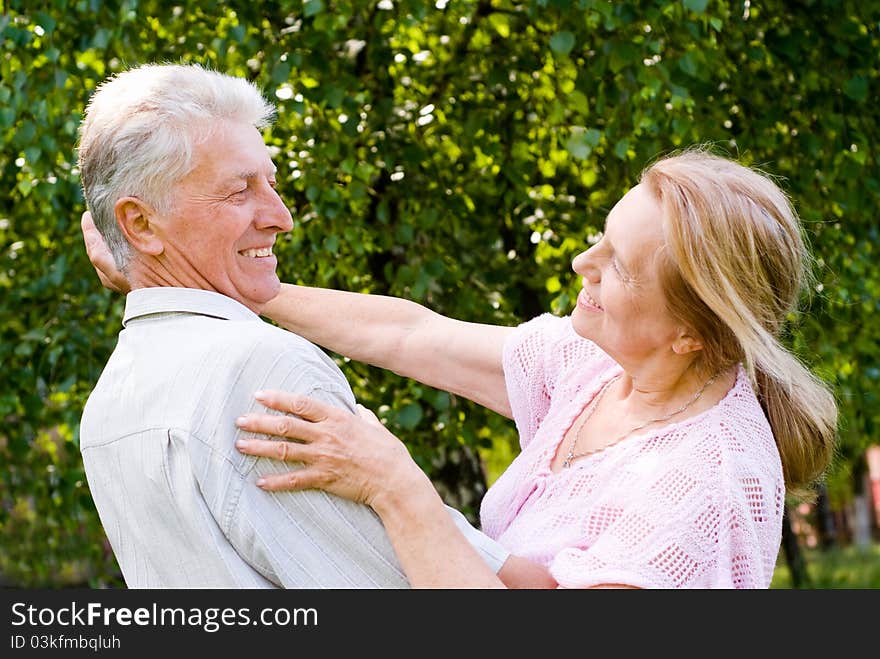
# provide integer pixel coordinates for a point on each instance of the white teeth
(591, 300)
(254, 253)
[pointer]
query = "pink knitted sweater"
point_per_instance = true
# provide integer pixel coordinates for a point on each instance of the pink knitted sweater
(694, 504)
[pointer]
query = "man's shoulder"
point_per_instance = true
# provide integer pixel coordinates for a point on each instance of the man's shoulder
(198, 374)
(201, 354)
(260, 343)
(238, 337)
(279, 338)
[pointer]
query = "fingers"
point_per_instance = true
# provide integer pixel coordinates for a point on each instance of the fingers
(313, 429)
(88, 228)
(368, 416)
(301, 479)
(268, 448)
(285, 426)
(303, 406)
(100, 256)
(95, 246)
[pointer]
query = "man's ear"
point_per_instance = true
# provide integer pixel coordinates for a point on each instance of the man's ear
(133, 217)
(686, 342)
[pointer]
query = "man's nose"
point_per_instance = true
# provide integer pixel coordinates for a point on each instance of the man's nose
(273, 213)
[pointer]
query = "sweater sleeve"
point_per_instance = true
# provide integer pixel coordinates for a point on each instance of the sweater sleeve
(529, 375)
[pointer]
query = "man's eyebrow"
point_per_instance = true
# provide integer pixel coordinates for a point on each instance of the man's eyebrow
(252, 174)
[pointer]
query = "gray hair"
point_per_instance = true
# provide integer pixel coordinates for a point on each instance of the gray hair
(140, 130)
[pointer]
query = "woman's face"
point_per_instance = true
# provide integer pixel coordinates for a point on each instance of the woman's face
(621, 306)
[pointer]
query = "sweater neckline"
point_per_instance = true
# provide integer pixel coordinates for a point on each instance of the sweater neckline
(582, 402)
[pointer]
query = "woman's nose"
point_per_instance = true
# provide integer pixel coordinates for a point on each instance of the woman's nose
(581, 262)
(584, 265)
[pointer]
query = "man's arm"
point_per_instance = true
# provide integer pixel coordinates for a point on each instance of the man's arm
(299, 539)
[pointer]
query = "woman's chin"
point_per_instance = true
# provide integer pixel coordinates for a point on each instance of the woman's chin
(581, 325)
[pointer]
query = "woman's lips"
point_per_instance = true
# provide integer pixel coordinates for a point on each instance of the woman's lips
(586, 300)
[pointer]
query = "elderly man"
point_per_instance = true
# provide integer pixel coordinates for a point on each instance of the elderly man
(182, 189)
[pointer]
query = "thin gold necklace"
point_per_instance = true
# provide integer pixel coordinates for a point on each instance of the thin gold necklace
(571, 455)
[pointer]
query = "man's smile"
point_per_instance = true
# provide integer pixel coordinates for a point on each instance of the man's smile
(256, 252)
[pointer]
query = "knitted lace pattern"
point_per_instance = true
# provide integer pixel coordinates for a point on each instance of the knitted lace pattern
(692, 504)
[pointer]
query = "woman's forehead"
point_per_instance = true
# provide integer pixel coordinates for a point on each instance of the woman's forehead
(636, 216)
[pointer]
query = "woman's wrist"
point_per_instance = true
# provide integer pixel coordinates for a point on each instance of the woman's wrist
(409, 495)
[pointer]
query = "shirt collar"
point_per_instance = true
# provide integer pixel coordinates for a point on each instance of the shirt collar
(169, 299)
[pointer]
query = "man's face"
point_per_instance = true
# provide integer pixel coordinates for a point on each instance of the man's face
(224, 218)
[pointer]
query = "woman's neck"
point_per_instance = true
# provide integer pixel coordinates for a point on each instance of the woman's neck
(646, 393)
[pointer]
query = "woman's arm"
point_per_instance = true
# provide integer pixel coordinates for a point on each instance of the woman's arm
(357, 458)
(405, 337)
(402, 336)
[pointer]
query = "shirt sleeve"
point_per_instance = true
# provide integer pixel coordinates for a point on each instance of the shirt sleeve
(307, 539)
(530, 373)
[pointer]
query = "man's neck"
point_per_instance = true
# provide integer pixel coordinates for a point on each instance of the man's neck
(152, 274)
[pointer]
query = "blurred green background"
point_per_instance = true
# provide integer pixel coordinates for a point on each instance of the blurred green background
(457, 153)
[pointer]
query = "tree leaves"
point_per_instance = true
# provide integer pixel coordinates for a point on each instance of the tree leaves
(856, 88)
(562, 43)
(698, 6)
(457, 156)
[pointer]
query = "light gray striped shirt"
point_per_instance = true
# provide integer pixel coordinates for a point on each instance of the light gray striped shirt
(177, 500)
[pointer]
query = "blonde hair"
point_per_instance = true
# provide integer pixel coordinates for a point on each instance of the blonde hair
(734, 267)
(140, 129)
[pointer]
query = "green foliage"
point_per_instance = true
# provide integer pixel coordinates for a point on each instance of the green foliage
(848, 568)
(455, 153)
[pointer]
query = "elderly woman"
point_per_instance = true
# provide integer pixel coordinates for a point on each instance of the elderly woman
(661, 423)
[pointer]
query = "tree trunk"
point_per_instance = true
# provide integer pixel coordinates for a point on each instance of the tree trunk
(827, 529)
(794, 557)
